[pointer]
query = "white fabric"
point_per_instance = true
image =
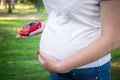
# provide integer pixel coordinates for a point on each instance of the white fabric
(70, 27)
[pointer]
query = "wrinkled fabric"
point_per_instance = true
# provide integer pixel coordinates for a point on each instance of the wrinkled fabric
(71, 26)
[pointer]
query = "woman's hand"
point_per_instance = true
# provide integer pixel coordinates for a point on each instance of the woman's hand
(34, 32)
(19, 36)
(50, 63)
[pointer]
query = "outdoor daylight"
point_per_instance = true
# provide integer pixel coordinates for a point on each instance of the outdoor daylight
(71, 41)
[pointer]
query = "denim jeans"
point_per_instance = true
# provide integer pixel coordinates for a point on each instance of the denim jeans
(95, 73)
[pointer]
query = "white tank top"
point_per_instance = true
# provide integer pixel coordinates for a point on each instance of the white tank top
(71, 26)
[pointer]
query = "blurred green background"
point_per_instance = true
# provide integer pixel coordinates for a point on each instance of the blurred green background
(18, 58)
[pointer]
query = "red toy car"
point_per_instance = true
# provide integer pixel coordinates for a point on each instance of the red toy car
(30, 28)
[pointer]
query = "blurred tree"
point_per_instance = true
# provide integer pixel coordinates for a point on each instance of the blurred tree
(38, 4)
(9, 6)
(25, 1)
(13, 2)
(2, 2)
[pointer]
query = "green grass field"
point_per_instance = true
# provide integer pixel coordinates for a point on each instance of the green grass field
(18, 58)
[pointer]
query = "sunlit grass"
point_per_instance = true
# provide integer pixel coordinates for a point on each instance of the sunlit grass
(20, 6)
(24, 6)
(22, 9)
(18, 58)
(3, 22)
(14, 18)
(2, 7)
(116, 64)
(24, 17)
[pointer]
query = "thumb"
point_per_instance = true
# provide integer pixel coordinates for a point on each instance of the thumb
(43, 55)
(46, 57)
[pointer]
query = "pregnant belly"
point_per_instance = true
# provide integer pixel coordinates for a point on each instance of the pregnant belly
(53, 45)
(63, 43)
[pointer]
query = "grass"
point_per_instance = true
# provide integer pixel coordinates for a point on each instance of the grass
(18, 59)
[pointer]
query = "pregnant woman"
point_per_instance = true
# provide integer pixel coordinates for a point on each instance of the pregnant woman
(77, 38)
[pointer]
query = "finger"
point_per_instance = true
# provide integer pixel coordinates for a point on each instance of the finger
(45, 56)
(42, 55)
(18, 36)
(24, 36)
(38, 52)
(42, 61)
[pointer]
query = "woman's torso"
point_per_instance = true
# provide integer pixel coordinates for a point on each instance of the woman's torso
(70, 27)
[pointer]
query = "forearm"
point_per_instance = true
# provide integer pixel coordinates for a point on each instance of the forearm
(108, 41)
(39, 30)
(97, 49)
(101, 46)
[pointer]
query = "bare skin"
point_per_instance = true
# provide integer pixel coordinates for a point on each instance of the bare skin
(107, 42)
(33, 33)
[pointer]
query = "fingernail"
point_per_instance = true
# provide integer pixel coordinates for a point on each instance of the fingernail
(38, 52)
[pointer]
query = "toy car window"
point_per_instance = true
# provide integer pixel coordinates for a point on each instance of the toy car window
(26, 27)
(32, 24)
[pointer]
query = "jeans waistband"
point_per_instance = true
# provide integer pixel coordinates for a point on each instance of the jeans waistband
(104, 67)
